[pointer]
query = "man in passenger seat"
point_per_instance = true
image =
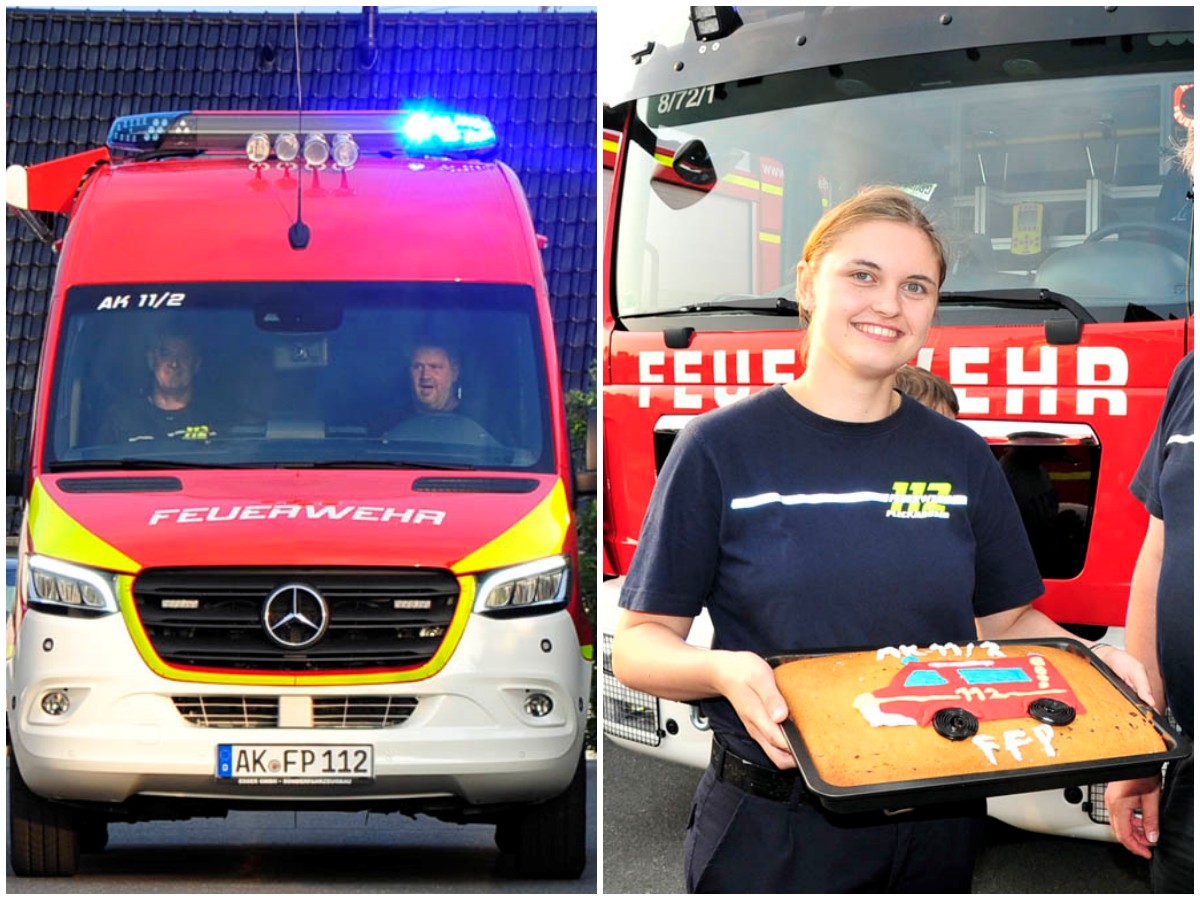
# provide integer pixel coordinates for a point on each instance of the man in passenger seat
(169, 409)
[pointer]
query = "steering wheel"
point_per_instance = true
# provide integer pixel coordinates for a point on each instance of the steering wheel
(1174, 239)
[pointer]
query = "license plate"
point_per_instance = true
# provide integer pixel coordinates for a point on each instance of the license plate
(290, 763)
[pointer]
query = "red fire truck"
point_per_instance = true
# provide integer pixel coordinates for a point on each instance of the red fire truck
(299, 527)
(1042, 142)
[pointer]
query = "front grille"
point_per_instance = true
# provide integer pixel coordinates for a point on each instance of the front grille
(628, 714)
(1096, 809)
(362, 712)
(263, 712)
(377, 618)
(229, 712)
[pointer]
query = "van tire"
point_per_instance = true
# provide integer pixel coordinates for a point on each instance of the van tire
(44, 834)
(93, 834)
(549, 839)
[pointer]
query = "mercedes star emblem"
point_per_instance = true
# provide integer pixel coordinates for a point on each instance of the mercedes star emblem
(295, 616)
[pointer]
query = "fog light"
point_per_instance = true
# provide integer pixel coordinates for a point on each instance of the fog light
(432, 631)
(56, 703)
(538, 705)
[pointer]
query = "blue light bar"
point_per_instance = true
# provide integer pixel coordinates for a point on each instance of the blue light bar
(411, 133)
(441, 132)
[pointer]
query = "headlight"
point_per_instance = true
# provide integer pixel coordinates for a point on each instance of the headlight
(57, 586)
(535, 587)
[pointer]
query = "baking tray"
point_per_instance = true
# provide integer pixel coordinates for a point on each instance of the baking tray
(895, 795)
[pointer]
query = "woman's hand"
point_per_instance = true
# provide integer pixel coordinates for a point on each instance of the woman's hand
(1128, 669)
(1133, 812)
(747, 681)
(650, 654)
(1027, 622)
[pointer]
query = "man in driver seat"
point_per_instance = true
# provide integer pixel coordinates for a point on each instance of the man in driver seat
(434, 371)
(435, 378)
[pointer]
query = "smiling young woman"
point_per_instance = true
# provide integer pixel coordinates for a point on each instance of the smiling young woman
(775, 513)
(876, 265)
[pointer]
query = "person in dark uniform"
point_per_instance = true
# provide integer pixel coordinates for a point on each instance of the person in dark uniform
(1155, 818)
(169, 409)
(1152, 817)
(778, 513)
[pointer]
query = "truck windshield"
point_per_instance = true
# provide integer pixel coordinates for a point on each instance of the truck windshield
(1026, 158)
(300, 374)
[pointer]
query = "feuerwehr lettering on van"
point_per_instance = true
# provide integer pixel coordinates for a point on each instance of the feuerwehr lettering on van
(191, 515)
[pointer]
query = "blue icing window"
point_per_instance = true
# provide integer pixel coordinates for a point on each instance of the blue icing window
(924, 679)
(992, 676)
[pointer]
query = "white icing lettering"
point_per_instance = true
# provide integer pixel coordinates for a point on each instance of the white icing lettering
(1014, 740)
(946, 649)
(988, 745)
(1045, 736)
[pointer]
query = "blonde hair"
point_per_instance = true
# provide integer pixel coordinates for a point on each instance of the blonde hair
(871, 204)
(926, 388)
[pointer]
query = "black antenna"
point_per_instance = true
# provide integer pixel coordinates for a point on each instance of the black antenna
(298, 233)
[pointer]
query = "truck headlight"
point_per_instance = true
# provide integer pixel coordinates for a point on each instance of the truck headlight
(534, 587)
(57, 586)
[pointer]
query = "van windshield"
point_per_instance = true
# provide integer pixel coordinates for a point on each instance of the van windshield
(1047, 167)
(300, 374)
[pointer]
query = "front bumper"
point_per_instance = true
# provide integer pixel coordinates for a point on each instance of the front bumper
(468, 740)
(666, 729)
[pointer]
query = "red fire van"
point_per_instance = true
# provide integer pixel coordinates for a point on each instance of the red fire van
(341, 574)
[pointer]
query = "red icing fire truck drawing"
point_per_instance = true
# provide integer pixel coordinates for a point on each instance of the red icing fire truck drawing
(954, 695)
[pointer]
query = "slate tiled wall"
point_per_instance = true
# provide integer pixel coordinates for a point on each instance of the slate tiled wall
(534, 74)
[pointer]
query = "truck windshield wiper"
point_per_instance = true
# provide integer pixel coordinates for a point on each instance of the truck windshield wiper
(762, 304)
(1019, 298)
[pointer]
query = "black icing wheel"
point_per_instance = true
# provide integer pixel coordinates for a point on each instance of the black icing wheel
(1051, 711)
(955, 724)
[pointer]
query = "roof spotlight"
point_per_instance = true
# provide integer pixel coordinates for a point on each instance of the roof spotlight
(345, 151)
(316, 150)
(712, 22)
(258, 147)
(287, 147)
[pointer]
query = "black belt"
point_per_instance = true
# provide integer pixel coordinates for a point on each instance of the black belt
(771, 784)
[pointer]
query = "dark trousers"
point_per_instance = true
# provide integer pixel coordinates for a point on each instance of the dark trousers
(737, 842)
(1172, 865)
